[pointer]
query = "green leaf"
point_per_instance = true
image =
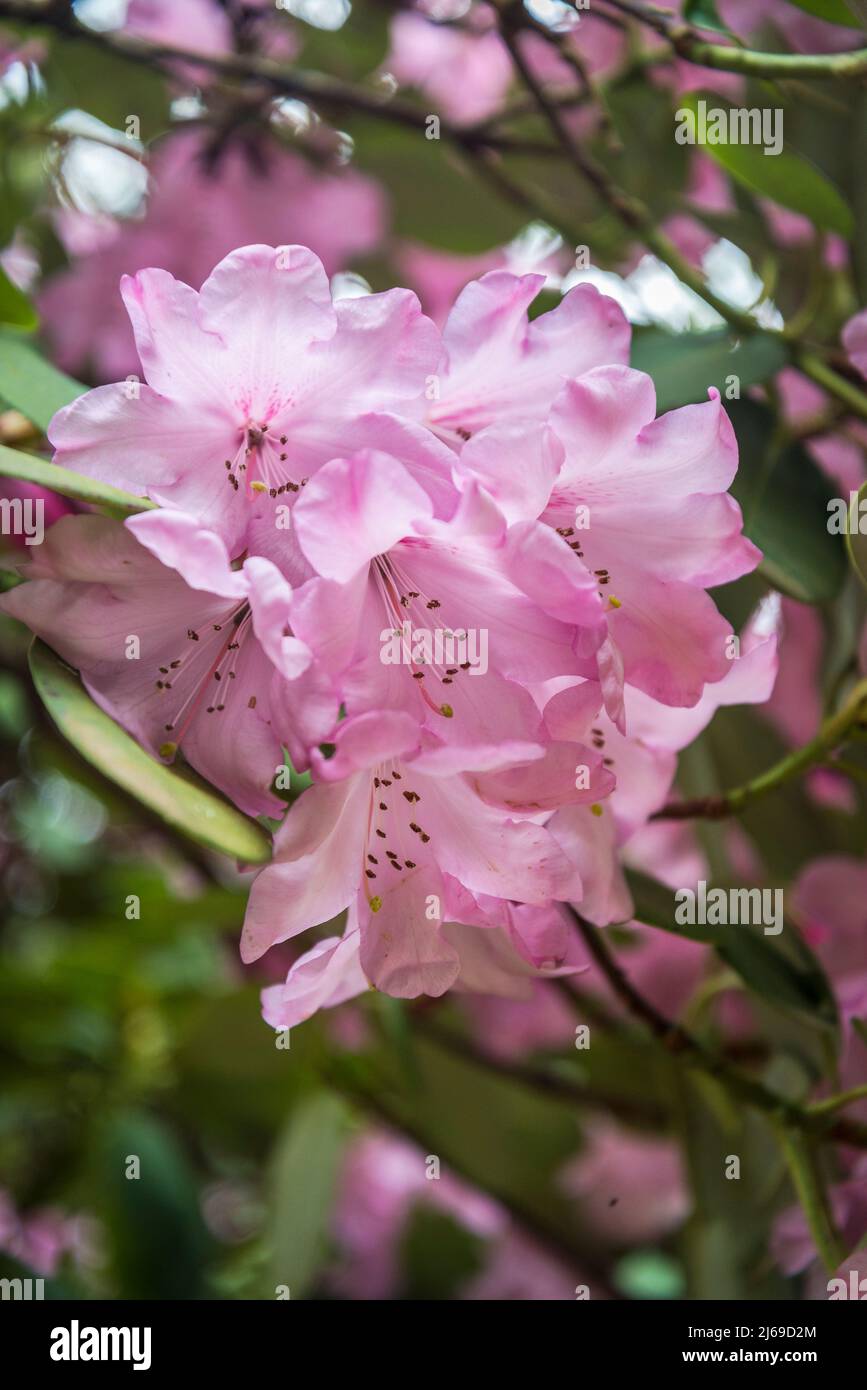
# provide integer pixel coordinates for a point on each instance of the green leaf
(30, 384)
(426, 183)
(834, 11)
(193, 809)
(856, 539)
(703, 14)
(782, 969)
(31, 469)
(784, 497)
(684, 365)
(16, 310)
(303, 1177)
(107, 86)
(787, 178)
(439, 1255)
(157, 1239)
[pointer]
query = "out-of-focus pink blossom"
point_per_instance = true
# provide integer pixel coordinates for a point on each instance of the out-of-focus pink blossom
(631, 1188)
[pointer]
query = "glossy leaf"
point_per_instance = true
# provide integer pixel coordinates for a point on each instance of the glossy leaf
(30, 384)
(303, 1177)
(16, 311)
(704, 15)
(684, 365)
(189, 807)
(781, 969)
(833, 11)
(786, 177)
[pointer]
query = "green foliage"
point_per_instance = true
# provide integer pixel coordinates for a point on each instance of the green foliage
(188, 805)
(833, 11)
(786, 177)
(31, 385)
(856, 540)
(685, 365)
(149, 1205)
(426, 181)
(31, 469)
(16, 311)
(304, 1173)
(781, 969)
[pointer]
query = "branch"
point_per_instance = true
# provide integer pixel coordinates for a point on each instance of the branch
(548, 1083)
(688, 44)
(678, 1041)
(832, 733)
(810, 1187)
(477, 142)
(372, 1101)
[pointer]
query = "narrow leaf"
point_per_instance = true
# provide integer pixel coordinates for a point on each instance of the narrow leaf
(31, 469)
(303, 1178)
(786, 177)
(30, 384)
(856, 539)
(684, 365)
(193, 809)
(832, 11)
(16, 311)
(781, 969)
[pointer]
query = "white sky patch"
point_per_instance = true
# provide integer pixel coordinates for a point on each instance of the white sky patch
(554, 14)
(652, 293)
(99, 169)
(188, 107)
(730, 274)
(321, 14)
(16, 83)
(297, 115)
(347, 285)
(530, 248)
(101, 15)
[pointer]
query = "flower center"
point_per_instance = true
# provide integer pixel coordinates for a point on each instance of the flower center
(204, 673)
(261, 462)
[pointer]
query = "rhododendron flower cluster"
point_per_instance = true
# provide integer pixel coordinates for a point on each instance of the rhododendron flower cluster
(351, 508)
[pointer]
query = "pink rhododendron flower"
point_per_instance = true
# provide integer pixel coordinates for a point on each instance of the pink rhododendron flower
(249, 386)
(212, 641)
(632, 1188)
(36, 501)
(630, 484)
(383, 1180)
(855, 341)
(41, 1238)
(500, 368)
(830, 897)
(200, 25)
(405, 841)
(465, 72)
(336, 483)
